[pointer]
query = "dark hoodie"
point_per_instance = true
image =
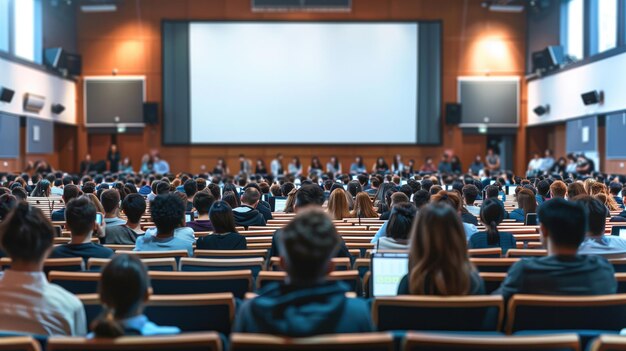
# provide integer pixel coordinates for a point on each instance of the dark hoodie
(293, 311)
(265, 210)
(247, 216)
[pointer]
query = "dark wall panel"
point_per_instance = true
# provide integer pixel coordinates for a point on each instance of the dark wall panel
(176, 114)
(582, 135)
(10, 136)
(39, 136)
(429, 84)
(114, 100)
(615, 131)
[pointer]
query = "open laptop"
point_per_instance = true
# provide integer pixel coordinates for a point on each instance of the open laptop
(510, 190)
(277, 203)
(388, 269)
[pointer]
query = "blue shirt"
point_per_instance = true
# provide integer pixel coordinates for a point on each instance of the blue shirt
(141, 325)
(605, 245)
(183, 233)
(470, 229)
(518, 215)
(479, 241)
(153, 243)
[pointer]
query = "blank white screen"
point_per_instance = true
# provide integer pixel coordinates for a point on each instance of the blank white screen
(279, 83)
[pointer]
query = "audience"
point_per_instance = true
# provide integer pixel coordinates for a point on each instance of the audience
(363, 207)
(454, 200)
(398, 228)
(28, 302)
(596, 243)
(526, 203)
(69, 192)
(134, 207)
(123, 308)
(438, 232)
(247, 214)
(168, 214)
(338, 207)
(224, 236)
(563, 271)
(80, 219)
(307, 304)
(202, 202)
(110, 200)
(491, 215)
(191, 188)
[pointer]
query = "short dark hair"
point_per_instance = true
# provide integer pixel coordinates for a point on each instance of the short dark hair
(190, 187)
(287, 188)
(168, 212)
(401, 220)
(134, 206)
(201, 184)
(162, 188)
(214, 189)
(615, 188)
(543, 188)
(67, 180)
(26, 234)
(80, 215)
(221, 216)
(407, 190)
(566, 222)
(250, 196)
(20, 193)
(492, 191)
(308, 243)
(110, 200)
(354, 187)
(363, 179)
(421, 198)
(470, 193)
(597, 213)
(202, 202)
(398, 198)
(70, 192)
(427, 184)
(7, 203)
(309, 194)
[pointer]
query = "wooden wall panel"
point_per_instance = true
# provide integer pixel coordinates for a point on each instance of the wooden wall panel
(475, 42)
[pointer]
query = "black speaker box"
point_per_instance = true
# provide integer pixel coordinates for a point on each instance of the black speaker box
(453, 113)
(150, 113)
(57, 108)
(6, 94)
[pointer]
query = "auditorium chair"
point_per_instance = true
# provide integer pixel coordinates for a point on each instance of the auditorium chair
(621, 282)
(340, 264)
(19, 343)
(76, 282)
(173, 283)
(207, 341)
(177, 254)
(608, 343)
(337, 342)
(520, 253)
(416, 341)
(494, 252)
(573, 313)
(230, 253)
(459, 313)
(197, 312)
(152, 264)
(492, 280)
(496, 265)
(255, 264)
(619, 264)
(349, 277)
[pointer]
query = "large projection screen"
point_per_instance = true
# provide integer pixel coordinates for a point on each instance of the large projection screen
(303, 83)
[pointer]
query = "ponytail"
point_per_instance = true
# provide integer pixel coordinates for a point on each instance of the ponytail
(493, 236)
(106, 326)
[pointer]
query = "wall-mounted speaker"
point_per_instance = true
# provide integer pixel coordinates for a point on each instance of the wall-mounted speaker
(150, 113)
(453, 113)
(6, 94)
(541, 110)
(33, 103)
(592, 97)
(57, 109)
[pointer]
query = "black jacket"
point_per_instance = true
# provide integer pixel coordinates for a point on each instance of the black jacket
(247, 216)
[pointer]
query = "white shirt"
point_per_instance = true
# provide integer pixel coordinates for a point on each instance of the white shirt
(29, 304)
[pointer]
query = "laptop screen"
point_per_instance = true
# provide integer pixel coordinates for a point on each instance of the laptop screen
(388, 269)
(279, 204)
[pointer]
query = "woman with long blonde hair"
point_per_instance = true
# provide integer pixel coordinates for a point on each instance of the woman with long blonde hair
(363, 206)
(291, 200)
(438, 261)
(338, 207)
(598, 188)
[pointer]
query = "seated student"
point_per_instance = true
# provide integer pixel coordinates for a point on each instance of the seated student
(28, 302)
(564, 271)
(615, 188)
(225, 236)
(133, 206)
(124, 289)
(396, 199)
(453, 199)
(526, 203)
(69, 192)
(338, 207)
(363, 207)
(263, 206)
(492, 214)
(438, 256)
(110, 200)
(307, 304)
(543, 190)
(168, 214)
(421, 198)
(309, 196)
(596, 243)
(558, 189)
(398, 227)
(470, 193)
(202, 202)
(191, 188)
(247, 215)
(80, 219)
